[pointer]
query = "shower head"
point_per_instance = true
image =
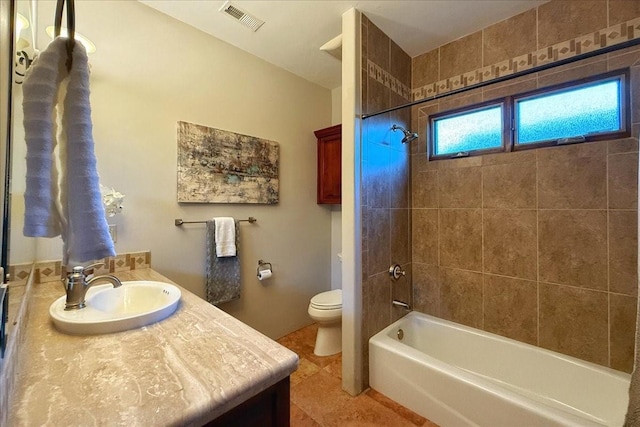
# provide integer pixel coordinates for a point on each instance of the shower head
(408, 135)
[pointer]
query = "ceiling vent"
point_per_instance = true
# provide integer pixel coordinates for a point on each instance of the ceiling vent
(241, 16)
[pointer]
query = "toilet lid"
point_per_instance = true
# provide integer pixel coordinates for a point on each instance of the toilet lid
(329, 300)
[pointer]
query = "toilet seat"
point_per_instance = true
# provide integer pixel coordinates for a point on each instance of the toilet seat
(330, 300)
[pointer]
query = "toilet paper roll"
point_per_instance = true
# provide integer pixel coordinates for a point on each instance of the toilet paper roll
(264, 274)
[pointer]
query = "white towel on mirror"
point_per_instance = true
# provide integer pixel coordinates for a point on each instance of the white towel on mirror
(225, 236)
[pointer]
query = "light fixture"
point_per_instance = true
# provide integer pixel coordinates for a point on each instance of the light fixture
(21, 24)
(88, 44)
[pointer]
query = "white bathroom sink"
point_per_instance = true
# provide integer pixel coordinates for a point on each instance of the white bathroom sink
(109, 309)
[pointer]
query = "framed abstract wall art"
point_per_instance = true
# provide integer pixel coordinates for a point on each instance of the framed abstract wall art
(218, 166)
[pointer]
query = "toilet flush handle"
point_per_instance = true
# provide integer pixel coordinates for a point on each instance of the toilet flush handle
(395, 271)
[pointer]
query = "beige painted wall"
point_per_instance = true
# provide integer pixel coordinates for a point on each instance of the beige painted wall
(352, 342)
(336, 210)
(151, 71)
(336, 105)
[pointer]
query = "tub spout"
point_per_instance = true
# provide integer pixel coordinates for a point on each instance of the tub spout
(401, 304)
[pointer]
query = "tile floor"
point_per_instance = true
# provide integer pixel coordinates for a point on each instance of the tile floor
(317, 398)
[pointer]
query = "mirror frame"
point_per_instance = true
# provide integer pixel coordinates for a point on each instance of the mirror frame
(7, 20)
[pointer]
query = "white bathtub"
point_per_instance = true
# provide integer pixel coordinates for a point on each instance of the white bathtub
(459, 376)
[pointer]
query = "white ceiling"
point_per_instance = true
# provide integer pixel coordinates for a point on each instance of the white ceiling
(295, 30)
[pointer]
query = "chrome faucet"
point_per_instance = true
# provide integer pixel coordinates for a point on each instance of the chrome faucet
(401, 304)
(77, 285)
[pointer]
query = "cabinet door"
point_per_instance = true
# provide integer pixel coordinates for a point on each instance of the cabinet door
(330, 165)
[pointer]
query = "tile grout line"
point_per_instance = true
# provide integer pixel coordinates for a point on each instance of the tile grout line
(537, 28)
(482, 237)
(537, 251)
(607, 171)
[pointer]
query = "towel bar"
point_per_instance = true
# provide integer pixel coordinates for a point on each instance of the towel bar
(179, 221)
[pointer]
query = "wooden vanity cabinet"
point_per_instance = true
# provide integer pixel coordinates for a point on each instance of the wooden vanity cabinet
(270, 408)
(330, 165)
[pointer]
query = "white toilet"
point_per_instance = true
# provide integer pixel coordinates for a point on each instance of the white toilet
(326, 309)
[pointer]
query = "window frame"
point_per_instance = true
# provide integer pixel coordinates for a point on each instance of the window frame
(625, 110)
(509, 117)
(506, 118)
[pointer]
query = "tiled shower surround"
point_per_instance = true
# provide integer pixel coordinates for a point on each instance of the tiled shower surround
(385, 180)
(538, 245)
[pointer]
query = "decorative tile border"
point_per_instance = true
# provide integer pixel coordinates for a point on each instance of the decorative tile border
(19, 272)
(384, 77)
(48, 271)
(140, 260)
(51, 271)
(613, 35)
(120, 263)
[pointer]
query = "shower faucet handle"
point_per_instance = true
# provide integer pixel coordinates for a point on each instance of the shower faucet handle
(395, 271)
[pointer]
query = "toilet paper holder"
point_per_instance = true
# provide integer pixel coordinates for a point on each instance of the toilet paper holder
(262, 265)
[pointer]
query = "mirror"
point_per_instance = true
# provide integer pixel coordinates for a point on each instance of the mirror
(20, 53)
(22, 251)
(6, 28)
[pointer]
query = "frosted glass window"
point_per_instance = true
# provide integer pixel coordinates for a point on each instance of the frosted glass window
(471, 131)
(592, 109)
(577, 112)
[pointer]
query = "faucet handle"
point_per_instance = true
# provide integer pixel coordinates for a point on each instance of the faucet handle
(94, 266)
(80, 270)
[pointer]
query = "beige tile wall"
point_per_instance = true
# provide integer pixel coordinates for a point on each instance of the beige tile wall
(469, 242)
(538, 245)
(554, 31)
(540, 265)
(386, 178)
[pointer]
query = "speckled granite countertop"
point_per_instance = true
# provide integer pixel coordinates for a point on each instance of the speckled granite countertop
(185, 370)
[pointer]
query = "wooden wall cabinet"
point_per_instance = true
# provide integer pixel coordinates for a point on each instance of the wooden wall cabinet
(330, 165)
